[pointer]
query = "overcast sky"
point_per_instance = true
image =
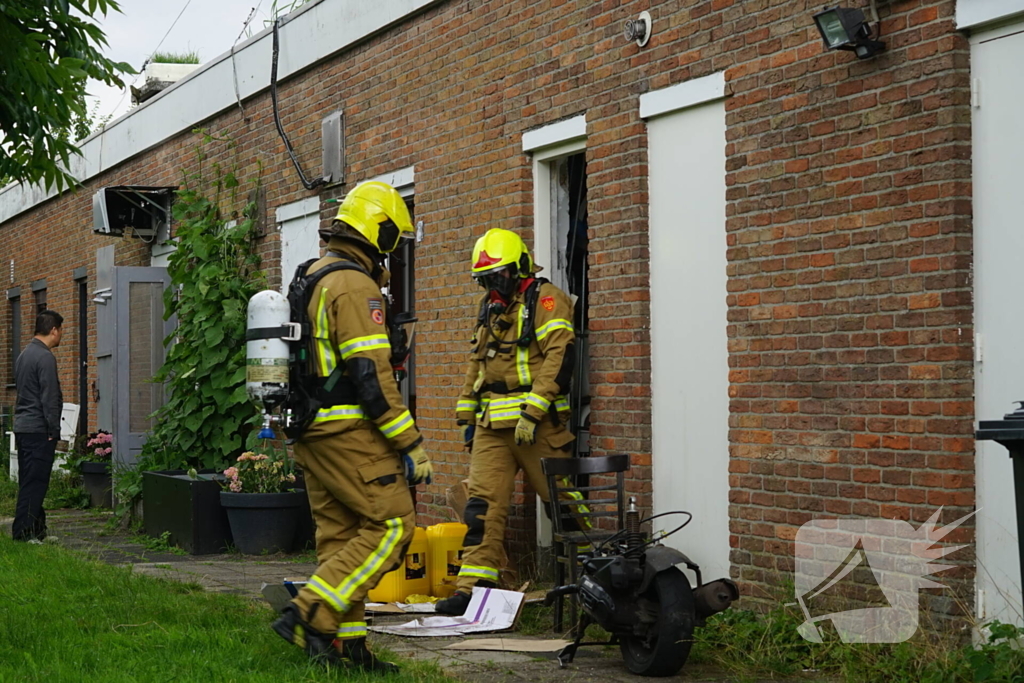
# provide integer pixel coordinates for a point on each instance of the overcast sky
(208, 27)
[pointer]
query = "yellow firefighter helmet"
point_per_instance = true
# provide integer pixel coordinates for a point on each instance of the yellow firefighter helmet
(377, 212)
(500, 248)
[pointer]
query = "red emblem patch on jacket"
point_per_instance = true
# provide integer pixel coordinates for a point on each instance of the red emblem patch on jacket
(376, 311)
(548, 302)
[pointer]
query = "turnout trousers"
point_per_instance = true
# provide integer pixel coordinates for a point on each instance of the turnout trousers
(495, 461)
(364, 523)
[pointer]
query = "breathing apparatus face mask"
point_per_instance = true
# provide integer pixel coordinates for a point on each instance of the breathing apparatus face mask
(500, 281)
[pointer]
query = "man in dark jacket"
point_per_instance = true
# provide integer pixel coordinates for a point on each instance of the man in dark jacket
(36, 425)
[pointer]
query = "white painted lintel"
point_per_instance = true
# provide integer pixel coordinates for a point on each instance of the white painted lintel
(402, 180)
(975, 14)
(557, 133)
(683, 95)
(299, 209)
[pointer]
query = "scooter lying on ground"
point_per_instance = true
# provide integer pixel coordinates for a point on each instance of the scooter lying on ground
(630, 586)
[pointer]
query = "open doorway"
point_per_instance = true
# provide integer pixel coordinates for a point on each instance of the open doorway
(566, 258)
(402, 265)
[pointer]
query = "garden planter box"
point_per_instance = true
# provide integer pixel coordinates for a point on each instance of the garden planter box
(187, 508)
(96, 482)
(264, 522)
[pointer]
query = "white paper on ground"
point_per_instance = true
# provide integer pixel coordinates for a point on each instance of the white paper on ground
(417, 608)
(400, 608)
(508, 645)
(489, 609)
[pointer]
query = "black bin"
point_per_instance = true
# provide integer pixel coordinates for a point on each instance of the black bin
(1009, 432)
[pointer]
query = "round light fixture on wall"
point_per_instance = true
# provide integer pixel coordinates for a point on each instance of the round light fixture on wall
(638, 29)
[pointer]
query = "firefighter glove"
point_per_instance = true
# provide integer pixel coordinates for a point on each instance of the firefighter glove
(468, 430)
(526, 431)
(417, 466)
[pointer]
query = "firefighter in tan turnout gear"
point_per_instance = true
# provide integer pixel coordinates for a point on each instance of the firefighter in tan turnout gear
(363, 449)
(513, 407)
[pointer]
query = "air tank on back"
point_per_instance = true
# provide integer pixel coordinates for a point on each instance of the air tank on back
(266, 352)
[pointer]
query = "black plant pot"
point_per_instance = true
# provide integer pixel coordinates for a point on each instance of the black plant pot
(263, 522)
(187, 508)
(96, 482)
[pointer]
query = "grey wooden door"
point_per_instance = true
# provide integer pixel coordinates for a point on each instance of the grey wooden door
(138, 352)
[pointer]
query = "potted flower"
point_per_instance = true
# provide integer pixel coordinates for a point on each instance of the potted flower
(263, 510)
(95, 468)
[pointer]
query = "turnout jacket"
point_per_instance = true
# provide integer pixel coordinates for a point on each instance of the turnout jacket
(347, 322)
(513, 380)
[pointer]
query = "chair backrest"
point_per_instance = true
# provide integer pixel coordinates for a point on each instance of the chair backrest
(573, 505)
(69, 423)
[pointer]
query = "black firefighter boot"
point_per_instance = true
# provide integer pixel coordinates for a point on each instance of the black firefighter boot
(356, 654)
(297, 631)
(458, 602)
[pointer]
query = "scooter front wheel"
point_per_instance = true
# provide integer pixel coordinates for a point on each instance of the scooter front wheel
(665, 648)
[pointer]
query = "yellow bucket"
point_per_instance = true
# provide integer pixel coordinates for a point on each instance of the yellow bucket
(445, 542)
(410, 578)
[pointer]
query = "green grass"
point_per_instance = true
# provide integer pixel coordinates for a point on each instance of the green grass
(756, 646)
(69, 619)
(158, 545)
(8, 494)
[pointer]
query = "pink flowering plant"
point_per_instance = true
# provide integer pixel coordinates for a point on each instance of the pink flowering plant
(259, 473)
(99, 447)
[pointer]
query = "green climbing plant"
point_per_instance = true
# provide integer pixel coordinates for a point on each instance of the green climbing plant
(214, 271)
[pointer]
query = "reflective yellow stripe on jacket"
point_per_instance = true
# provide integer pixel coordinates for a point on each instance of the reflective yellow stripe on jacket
(523, 353)
(395, 427)
(552, 325)
(325, 357)
(339, 412)
(509, 407)
(369, 343)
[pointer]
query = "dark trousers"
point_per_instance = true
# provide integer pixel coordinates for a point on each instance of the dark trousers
(35, 462)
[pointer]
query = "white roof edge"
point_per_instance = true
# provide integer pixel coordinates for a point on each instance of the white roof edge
(316, 31)
(973, 14)
(683, 95)
(556, 133)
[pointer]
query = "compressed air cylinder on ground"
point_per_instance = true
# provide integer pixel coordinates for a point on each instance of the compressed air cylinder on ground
(445, 542)
(410, 578)
(266, 371)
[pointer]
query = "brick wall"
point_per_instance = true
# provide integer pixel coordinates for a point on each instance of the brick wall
(848, 230)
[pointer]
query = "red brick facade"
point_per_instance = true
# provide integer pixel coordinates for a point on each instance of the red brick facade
(849, 230)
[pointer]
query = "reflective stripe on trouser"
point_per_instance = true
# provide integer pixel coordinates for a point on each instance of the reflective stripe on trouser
(364, 518)
(351, 629)
(495, 461)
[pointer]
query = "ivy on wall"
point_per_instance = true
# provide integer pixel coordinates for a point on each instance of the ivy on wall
(214, 271)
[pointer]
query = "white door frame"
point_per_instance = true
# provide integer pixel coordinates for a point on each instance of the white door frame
(547, 145)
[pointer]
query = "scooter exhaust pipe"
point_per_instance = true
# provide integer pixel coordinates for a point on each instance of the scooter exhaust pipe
(715, 597)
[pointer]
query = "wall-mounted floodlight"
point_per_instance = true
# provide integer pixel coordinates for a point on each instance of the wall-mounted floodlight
(846, 29)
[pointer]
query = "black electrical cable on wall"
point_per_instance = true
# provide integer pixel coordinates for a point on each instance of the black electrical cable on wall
(277, 119)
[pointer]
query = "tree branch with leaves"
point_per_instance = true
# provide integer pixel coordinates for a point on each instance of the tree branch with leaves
(48, 51)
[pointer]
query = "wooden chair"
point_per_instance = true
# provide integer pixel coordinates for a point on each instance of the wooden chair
(576, 514)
